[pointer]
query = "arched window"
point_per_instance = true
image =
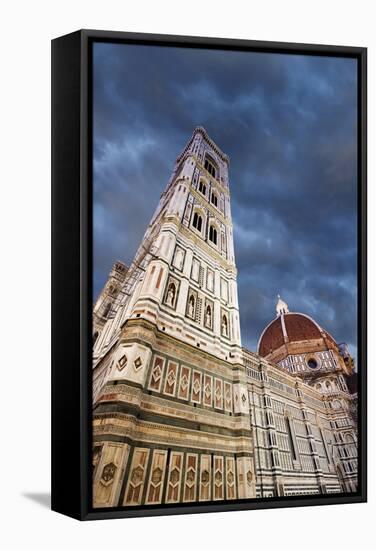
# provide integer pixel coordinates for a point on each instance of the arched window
(210, 166)
(197, 221)
(95, 337)
(214, 199)
(213, 235)
(107, 309)
(202, 187)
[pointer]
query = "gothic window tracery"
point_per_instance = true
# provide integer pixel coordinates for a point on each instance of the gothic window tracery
(214, 198)
(210, 166)
(213, 234)
(202, 187)
(197, 221)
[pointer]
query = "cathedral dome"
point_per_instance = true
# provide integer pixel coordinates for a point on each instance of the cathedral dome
(290, 329)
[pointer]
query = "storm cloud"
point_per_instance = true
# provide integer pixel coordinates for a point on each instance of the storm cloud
(288, 124)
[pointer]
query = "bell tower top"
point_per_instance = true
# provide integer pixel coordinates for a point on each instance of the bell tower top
(200, 130)
(204, 152)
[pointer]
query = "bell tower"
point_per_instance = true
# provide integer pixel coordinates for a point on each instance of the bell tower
(194, 260)
(171, 416)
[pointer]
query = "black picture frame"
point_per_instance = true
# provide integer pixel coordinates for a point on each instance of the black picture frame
(72, 269)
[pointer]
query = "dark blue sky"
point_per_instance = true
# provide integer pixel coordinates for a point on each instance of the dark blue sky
(288, 124)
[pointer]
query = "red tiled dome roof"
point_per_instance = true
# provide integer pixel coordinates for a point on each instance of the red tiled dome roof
(272, 338)
(298, 327)
(330, 338)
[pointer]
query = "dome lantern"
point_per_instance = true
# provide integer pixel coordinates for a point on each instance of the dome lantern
(281, 307)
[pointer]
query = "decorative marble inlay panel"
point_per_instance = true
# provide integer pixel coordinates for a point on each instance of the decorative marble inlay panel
(208, 390)
(205, 477)
(228, 396)
(171, 378)
(246, 478)
(137, 363)
(185, 378)
(174, 477)
(122, 362)
(156, 376)
(190, 478)
(218, 394)
(218, 478)
(230, 478)
(136, 478)
(196, 387)
(107, 473)
(156, 477)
